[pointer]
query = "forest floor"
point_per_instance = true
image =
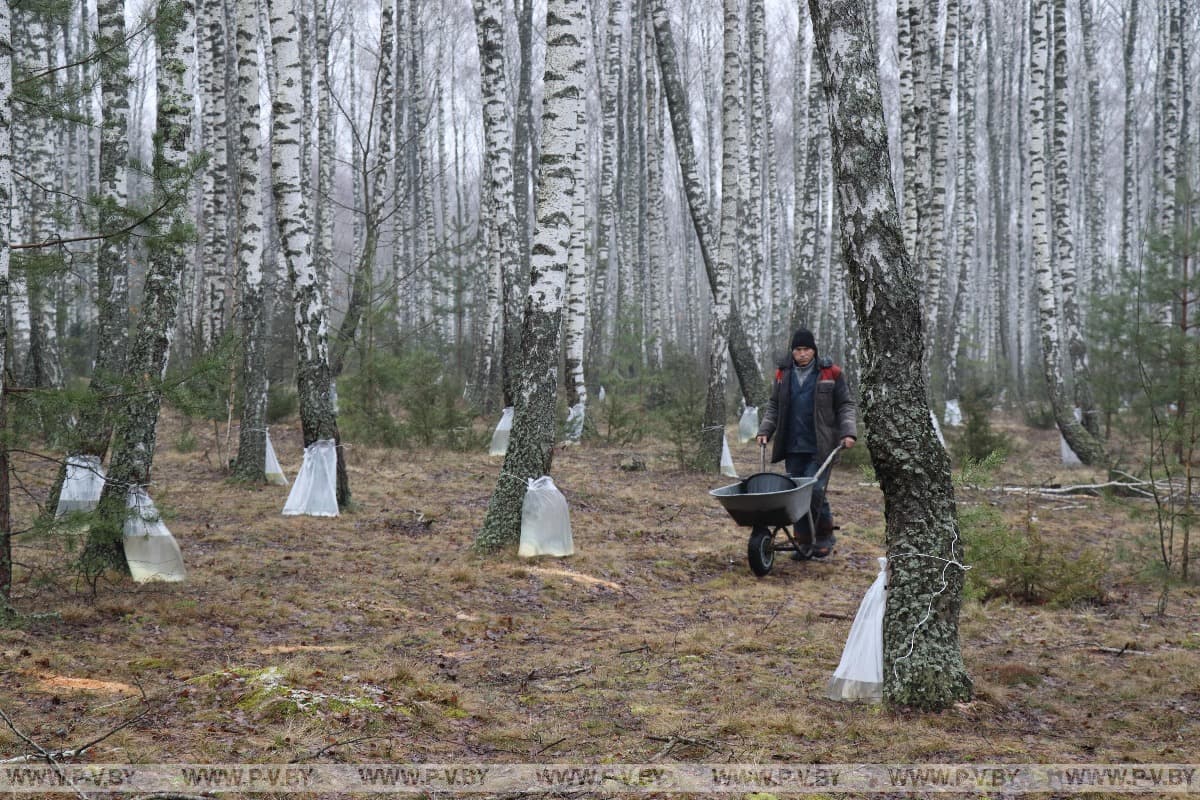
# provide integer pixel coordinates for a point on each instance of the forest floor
(380, 636)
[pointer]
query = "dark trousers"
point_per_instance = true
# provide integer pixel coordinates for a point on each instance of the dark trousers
(805, 465)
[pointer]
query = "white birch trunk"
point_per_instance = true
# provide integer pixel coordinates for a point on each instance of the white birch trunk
(252, 435)
(1085, 446)
(534, 432)
(656, 217)
(922, 660)
(732, 123)
(136, 427)
(1063, 233)
(1169, 63)
(6, 205)
(314, 388)
(607, 222)
(1130, 214)
(213, 309)
(497, 194)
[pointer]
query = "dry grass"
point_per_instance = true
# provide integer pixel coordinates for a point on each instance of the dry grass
(382, 630)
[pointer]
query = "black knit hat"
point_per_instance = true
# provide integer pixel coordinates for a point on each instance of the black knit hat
(803, 338)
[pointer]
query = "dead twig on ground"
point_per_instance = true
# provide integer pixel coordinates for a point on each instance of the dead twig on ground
(534, 676)
(673, 741)
(331, 746)
(49, 757)
(552, 744)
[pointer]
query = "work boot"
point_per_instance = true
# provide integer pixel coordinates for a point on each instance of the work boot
(823, 546)
(804, 541)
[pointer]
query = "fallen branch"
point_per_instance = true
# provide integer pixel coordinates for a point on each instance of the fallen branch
(672, 741)
(1120, 652)
(328, 747)
(534, 676)
(49, 757)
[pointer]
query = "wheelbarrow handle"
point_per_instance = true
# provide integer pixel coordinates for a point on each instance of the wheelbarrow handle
(829, 459)
(762, 449)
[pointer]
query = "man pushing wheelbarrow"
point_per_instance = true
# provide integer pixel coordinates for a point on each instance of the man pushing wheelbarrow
(811, 412)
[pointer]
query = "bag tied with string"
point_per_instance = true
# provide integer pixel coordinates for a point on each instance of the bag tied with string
(859, 676)
(500, 436)
(545, 521)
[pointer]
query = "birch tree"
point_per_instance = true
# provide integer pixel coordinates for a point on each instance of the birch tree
(135, 432)
(610, 87)
(498, 216)
(966, 206)
(533, 434)
(378, 140)
(732, 122)
(251, 455)
(212, 248)
(754, 388)
(923, 666)
(313, 380)
(1089, 450)
(1063, 233)
(1130, 246)
(6, 202)
(112, 254)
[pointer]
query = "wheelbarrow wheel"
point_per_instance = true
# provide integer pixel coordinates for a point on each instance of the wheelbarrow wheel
(760, 551)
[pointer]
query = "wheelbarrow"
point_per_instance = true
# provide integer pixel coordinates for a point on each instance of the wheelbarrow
(770, 503)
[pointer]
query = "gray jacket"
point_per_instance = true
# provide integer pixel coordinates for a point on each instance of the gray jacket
(835, 414)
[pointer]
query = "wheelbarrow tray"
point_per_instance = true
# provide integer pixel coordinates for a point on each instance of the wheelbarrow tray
(766, 499)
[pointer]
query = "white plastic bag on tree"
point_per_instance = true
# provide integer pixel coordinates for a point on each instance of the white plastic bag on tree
(727, 468)
(150, 550)
(859, 676)
(953, 416)
(748, 424)
(1069, 457)
(315, 491)
(82, 487)
(574, 427)
(600, 394)
(500, 436)
(937, 428)
(545, 521)
(271, 468)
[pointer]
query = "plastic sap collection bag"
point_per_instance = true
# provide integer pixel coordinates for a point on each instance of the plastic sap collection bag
(574, 427)
(748, 424)
(545, 521)
(150, 550)
(953, 418)
(274, 472)
(82, 487)
(315, 491)
(727, 468)
(859, 676)
(500, 436)
(1069, 456)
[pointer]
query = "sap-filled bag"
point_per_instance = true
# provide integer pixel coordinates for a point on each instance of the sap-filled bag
(545, 521)
(727, 468)
(748, 424)
(859, 675)
(150, 550)
(574, 427)
(500, 436)
(82, 486)
(271, 468)
(315, 491)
